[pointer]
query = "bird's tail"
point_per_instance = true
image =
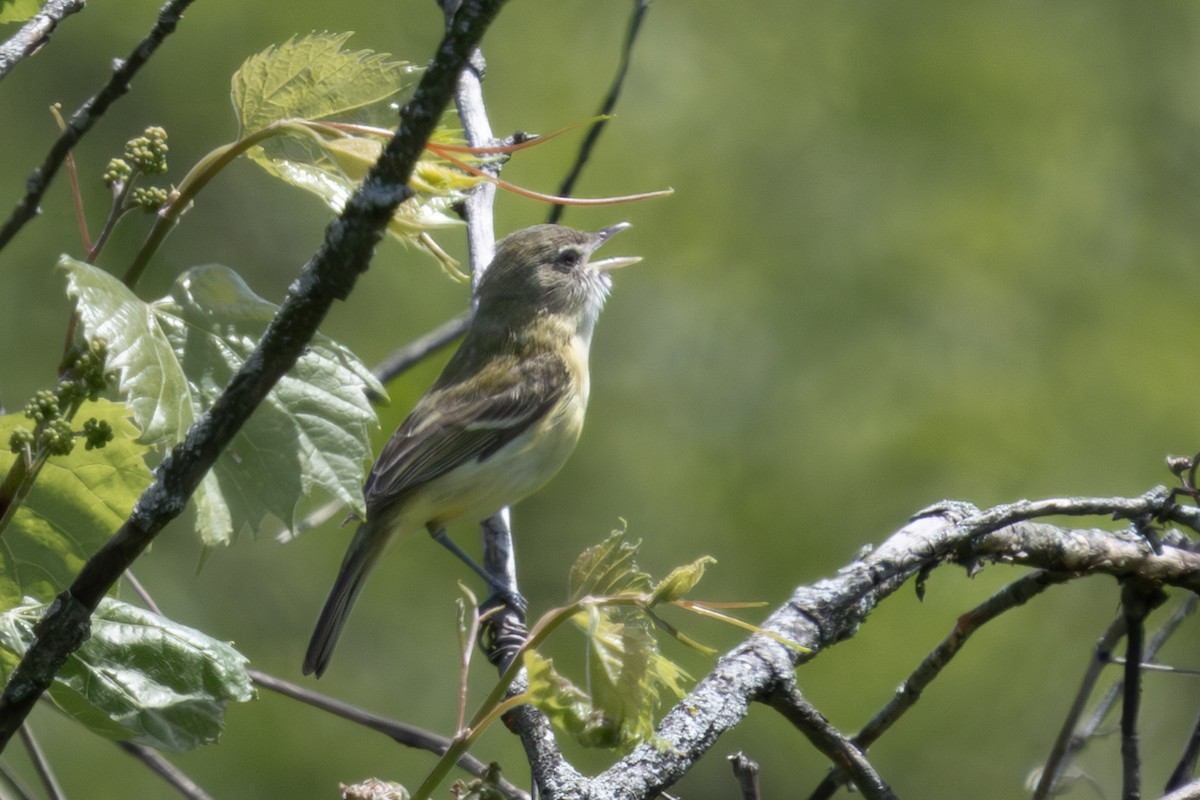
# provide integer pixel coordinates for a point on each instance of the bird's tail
(365, 549)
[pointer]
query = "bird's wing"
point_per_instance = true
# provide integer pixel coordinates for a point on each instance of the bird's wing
(453, 424)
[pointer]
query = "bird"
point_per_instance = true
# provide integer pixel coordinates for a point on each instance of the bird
(500, 420)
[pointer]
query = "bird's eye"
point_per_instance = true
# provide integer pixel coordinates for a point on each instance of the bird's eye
(568, 259)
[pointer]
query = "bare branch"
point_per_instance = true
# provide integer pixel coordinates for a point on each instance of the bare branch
(1063, 745)
(164, 769)
(88, 114)
(1011, 596)
(41, 764)
(746, 772)
(1138, 599)
(35, 33)
(607, 107)
(402, 359)
(399, 732)
(829, 740)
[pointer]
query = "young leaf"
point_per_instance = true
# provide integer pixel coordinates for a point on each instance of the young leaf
(140, 676)
(313, 78)
(75, 505)
(308, 81)
(566, 706)
(176, 355)
(626, 669)
(607, 569)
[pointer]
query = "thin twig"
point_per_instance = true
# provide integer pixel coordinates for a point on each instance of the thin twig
(1137, 601)
(88, 114)
(745, 769)
(141, 592)
(20, 792)
(788, 701)
(170, 773)
(606, 108)
(403, 358)
(1063, 744)
(1011, 596)
(34, 34)
(1186, 767)
(41, 764)
(399, 732)
(1070, 742)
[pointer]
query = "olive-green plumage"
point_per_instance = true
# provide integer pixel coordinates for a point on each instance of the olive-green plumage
(503, 416)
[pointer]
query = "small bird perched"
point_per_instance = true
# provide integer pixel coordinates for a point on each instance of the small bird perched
(501, 419)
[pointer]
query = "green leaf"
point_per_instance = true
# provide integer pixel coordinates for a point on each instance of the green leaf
(567, 706)
(626, 670)
(313, 78)
(140, 676)
(176, 355)
(608, 569)
(76, 503)
(310, 80)
(18, 10)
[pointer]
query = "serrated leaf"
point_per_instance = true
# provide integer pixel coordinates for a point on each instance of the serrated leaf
(312, 77)
(18, 10)
(140, 676)
(77, 502)
(627, 671)
(308, 436)
(680, 582)
(311, 80)
(607, 569)
(567, 707)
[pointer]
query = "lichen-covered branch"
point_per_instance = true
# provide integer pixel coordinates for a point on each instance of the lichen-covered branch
(34, 34)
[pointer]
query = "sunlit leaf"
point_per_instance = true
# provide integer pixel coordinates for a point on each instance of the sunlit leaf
(567, 707)
(18, 10)
(77, 502)
(140, 676)
(312, 77)
(680, 582)
(627, 672)
(607, 569)
(307, 81)
(309, 436)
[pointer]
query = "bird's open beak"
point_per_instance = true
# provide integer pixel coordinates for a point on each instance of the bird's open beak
(609, 264)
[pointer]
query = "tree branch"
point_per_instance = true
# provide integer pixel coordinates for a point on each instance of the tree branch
(606, 108)
(329, 275)
(843, 752)
(822, 614)
(88, 114)
(35, 33)
(164, 769)
(399, 732)
(1011, 596)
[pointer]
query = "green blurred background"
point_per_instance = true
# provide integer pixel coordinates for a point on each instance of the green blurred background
(915, 251)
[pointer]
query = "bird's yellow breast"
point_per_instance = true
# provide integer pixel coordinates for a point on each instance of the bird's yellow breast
(479, 488)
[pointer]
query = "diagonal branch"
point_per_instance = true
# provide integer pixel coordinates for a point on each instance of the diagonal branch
(607, 107)
(34, 34)
(1011, 596)
(88, 114)
(329, 275)
(842, 751)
